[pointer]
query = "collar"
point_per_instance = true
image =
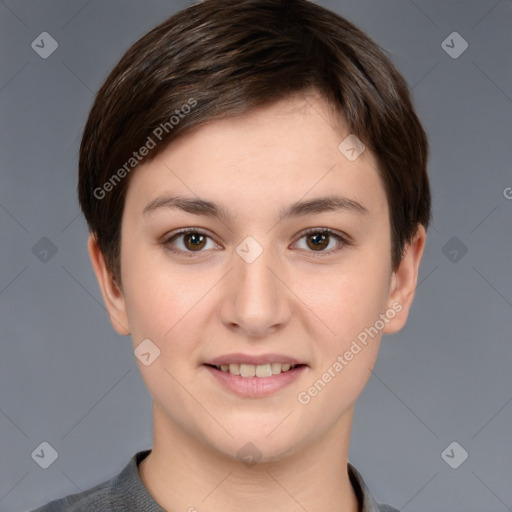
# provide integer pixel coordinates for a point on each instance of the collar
(367, 502)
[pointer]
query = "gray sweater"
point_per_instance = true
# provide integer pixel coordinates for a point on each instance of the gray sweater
(126, 493)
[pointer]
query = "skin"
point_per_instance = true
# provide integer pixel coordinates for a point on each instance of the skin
(291, 300)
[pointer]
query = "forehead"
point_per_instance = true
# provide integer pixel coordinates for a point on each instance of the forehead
(275, 154)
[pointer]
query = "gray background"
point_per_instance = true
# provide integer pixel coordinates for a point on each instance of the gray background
(68, 379)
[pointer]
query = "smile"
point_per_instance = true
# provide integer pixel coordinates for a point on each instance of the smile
(255, 381)
(252, 370)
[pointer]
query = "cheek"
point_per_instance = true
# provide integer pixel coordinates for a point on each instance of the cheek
(164, 309)
(172, 310)
(347, 350)
(148, 307)
(157, 296)
(346, 300)
(158, 308)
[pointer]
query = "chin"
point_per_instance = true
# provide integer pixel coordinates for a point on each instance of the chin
(252, 446)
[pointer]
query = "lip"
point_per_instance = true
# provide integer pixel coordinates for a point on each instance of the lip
(256, 387)
(254, 359)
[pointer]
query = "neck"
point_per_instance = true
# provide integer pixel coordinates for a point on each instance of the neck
(183, 473)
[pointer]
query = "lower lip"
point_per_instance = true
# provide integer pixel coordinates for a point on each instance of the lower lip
(256, 387)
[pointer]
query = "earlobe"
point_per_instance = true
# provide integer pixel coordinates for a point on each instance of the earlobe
(112, 295)
(404, 281)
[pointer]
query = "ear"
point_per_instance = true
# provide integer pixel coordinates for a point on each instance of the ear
(403, 282)
(112, 294)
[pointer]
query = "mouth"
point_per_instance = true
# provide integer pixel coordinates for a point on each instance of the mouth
(257, 380)
(252, 370)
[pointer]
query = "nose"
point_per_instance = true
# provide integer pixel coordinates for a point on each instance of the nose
(256, 301)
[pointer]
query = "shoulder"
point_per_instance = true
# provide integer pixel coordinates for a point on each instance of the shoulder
(124, 491)
(96, 498)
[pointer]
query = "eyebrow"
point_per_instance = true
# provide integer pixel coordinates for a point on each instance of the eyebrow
(331, 203)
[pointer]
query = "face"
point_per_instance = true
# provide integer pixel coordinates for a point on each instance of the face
(286, 259)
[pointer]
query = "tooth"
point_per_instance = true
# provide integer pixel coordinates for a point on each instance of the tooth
(247, 370)
(260, 370)
(234, 368)
(264, 370)
(276, 368)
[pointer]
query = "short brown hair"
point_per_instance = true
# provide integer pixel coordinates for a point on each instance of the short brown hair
(224, 57)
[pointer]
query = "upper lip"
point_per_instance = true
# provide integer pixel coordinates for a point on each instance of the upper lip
(255, 360)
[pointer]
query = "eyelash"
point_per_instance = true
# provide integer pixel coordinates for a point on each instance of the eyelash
(342, 241)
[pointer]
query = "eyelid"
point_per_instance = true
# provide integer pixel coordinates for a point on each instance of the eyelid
(184, 231)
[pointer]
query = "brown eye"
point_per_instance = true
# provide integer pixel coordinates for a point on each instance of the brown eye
(189, 241)
(194, 241)
(322, 241)
(317, 241)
